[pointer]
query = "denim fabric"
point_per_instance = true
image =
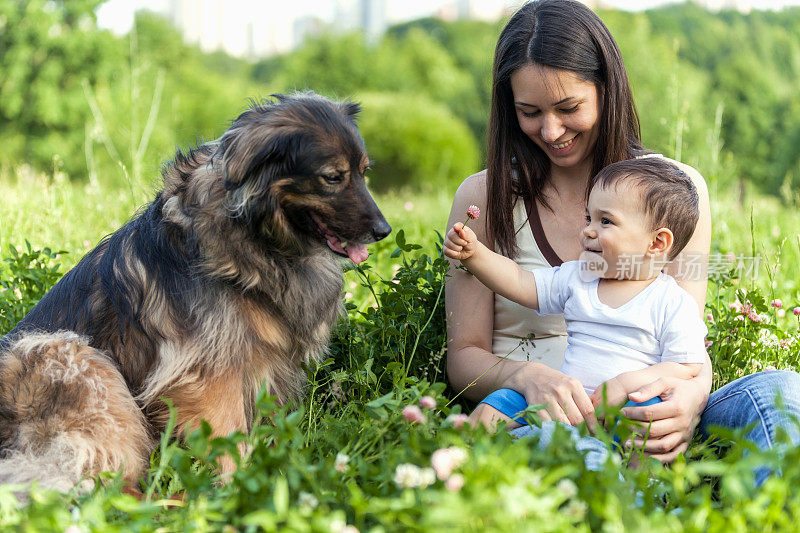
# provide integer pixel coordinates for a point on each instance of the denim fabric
(750, 400)
(595, 451)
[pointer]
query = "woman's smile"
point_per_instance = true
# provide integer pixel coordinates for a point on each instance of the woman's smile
(562, 147)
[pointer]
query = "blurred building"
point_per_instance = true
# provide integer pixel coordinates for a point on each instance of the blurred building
(745, 6)
(258, 29)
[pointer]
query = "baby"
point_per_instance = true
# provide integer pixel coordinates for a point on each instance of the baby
(628, 323)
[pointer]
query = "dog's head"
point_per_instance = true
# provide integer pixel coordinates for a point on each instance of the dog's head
(294, 171)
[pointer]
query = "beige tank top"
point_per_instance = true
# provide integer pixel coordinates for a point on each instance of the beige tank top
(519, 333)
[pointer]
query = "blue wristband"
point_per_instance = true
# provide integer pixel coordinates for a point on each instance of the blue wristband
(631, 403)
(509, 402)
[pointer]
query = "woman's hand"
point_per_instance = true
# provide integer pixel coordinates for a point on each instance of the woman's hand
(563, 396)
(669, 425)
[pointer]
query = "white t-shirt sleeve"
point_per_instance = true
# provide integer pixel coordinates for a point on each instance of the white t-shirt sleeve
(683, 334)
(553, 287)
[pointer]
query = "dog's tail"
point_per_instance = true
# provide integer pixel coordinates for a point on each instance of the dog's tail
(66, 415)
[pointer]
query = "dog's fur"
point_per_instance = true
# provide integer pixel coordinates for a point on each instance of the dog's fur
(225, 282)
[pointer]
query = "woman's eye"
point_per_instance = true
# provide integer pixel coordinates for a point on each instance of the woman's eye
(588, 220)
(530, 114)
(570, 109)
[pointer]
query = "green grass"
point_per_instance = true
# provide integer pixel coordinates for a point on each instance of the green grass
(387, 354)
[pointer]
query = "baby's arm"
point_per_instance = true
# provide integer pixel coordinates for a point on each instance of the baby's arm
(618, 388)
(497, 272)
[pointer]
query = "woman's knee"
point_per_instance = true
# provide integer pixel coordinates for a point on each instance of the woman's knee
(778, 388)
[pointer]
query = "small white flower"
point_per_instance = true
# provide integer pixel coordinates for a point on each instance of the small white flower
(445, 460)
(406, 476)
(568, 488)
(426, 477)
(454, 482)
(341, 462)
(306, 499)
(457, 420)
(340, 526)
(575, 509)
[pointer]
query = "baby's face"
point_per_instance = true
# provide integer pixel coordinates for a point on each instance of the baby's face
(617, 234)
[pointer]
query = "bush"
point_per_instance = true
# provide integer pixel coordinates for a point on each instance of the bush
(414, 141)
(30, 275)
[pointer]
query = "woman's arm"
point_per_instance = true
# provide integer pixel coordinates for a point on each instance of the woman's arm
(471, 365)
(676, 417)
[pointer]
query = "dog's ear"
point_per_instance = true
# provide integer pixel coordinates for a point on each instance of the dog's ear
(351, 109)
(248, 151)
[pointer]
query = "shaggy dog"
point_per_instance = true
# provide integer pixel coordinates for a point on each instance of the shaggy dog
(228, 281)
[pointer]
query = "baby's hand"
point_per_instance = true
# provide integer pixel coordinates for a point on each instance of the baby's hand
(460, 242)
(612, 391)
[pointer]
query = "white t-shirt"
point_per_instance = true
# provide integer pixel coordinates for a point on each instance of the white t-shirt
(659, 324)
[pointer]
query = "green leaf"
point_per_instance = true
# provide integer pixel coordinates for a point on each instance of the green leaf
(281, 496)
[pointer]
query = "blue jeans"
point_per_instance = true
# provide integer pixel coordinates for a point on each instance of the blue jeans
(510, 403)
(748, 401)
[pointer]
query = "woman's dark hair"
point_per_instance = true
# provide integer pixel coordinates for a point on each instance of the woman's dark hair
(566, 35)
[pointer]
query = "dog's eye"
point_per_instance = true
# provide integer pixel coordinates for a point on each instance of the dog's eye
(333, 179)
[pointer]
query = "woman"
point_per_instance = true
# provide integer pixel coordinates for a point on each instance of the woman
(561, 110)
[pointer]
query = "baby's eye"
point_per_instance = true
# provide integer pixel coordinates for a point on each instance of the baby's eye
(605, 220)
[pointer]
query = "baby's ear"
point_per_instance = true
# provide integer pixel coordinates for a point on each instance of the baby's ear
(661, 243)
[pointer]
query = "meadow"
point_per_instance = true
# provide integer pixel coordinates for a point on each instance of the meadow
(347, 459)
(378, 443)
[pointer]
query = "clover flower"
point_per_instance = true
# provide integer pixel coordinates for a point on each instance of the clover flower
(409, 476)
(413, 414)
(472, 213)
(776, 303)
(796, 311)
(457, 420)
(568, 488)
(454, 483)
(428, 402)
(341, 462)
(445, 460)
(306, 499)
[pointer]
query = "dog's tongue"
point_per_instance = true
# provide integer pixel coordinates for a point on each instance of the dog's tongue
(357, 252)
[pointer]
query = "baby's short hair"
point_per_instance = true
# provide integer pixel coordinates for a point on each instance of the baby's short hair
(668, 196)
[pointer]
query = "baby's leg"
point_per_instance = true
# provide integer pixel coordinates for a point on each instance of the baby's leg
(502, 404)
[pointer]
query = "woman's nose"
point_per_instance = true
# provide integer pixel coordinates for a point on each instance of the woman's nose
(552, 128)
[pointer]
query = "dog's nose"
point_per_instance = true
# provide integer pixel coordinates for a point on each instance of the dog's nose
(381, 229)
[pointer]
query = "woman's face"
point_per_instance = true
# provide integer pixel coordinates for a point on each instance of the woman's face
(558, 111)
